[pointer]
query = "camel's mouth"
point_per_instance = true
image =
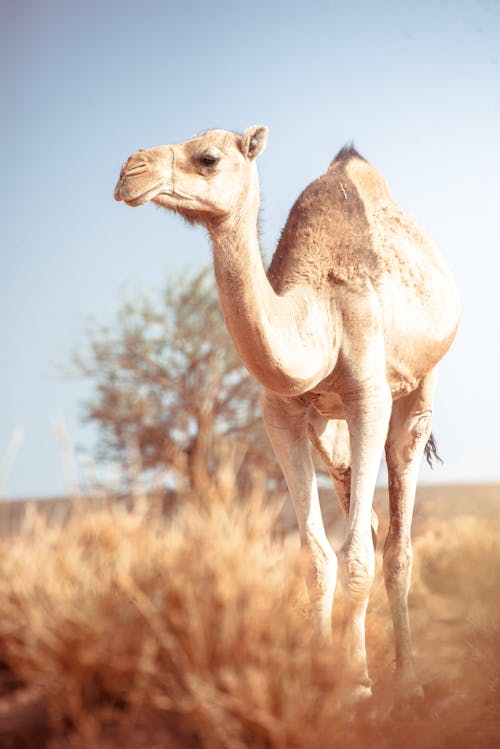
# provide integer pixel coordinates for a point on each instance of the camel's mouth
(135, 200)
(175, 195)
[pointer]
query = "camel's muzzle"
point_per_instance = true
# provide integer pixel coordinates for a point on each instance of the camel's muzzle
(140, 180)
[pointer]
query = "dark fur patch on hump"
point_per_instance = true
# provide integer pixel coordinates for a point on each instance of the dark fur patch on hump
(326, 239)
(345, 154)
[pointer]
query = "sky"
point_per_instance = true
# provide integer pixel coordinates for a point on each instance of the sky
(416, 85)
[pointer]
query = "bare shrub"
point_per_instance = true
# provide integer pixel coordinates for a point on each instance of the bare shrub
(168, 387)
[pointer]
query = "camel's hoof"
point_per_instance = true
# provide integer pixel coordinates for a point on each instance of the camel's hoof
(361, 704)
(409, 702)
(360, 693)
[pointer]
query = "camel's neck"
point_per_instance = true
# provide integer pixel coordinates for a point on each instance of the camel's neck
(285, 341)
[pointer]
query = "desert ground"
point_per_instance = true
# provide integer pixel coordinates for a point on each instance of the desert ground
(132, 628)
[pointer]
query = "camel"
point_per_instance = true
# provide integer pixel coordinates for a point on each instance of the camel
(344, 333)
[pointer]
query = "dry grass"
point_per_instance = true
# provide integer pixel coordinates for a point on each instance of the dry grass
(194, 632)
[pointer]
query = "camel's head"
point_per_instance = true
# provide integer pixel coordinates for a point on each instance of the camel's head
(209, 176)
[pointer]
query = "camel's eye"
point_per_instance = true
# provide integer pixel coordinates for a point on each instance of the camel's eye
(208, 159)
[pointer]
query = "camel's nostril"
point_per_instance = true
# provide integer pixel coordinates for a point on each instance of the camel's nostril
(139, 168)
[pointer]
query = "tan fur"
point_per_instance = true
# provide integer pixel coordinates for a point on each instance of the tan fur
(349, 323)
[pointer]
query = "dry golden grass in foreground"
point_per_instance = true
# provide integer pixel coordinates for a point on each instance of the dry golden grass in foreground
(193, 632)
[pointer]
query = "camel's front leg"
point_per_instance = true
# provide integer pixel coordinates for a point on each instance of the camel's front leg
(285, 420)
(368, 413)
(330, 437)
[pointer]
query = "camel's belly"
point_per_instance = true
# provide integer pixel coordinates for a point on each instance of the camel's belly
(327, 404)
(402, 376)
(330, 404)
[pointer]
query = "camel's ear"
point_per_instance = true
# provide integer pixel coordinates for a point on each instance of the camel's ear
(254, 141)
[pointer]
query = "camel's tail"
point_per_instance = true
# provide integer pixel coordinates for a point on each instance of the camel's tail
(431, 453)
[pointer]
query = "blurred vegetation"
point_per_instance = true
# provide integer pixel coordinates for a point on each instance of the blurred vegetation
(170, 397)
(193, 631)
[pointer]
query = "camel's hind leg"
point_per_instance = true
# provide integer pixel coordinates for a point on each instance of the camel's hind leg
(285, 420)
(330, 438)
(409, 430)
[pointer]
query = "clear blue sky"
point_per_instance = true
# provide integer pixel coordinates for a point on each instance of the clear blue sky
(84, 84)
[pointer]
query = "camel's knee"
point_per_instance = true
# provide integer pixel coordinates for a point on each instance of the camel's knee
(357, 569)
(398, 559)
(321, 578)
(321, 565)
(410, 440)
